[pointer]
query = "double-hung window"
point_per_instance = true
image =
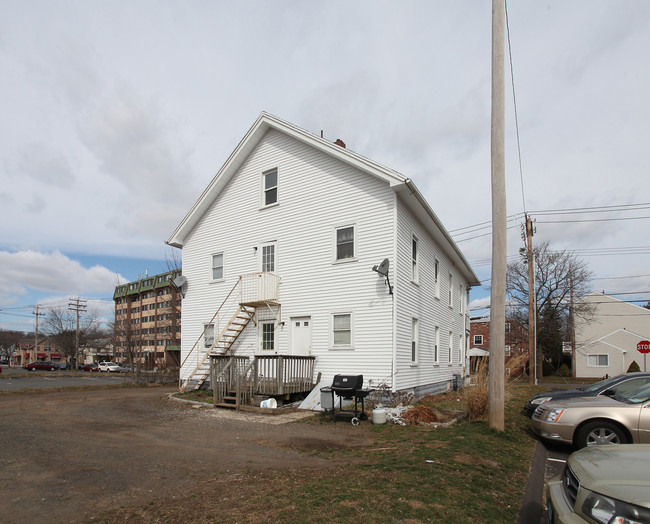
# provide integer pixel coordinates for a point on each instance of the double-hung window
(436, 277)
(451, 290)
(217, 266)
(270, 187)
(344, 242)
(342, 330)
(451, 347)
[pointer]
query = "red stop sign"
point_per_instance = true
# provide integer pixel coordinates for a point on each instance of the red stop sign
(643, 346)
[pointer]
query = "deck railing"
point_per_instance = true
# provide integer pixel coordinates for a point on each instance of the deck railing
(259, 288)
(265, 375)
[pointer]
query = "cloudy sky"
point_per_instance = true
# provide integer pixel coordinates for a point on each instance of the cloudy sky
(117, 114)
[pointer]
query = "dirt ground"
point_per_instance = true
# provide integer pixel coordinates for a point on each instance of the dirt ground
(79, 456)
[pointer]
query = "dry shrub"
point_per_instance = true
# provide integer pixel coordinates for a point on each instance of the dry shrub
(478, 393)
(420, 415)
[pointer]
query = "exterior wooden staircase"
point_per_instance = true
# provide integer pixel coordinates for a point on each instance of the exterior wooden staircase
(228, 323)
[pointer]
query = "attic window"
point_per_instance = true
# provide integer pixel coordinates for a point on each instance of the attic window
(270, 183)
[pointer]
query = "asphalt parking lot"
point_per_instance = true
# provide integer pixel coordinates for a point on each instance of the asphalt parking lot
(12, 379)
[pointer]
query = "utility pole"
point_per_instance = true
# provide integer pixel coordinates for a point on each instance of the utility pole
(36, 330)
(77, 304)
(573, 326)
(532, 354)
(496, 415)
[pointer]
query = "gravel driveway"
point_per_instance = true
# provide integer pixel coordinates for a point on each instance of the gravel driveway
(67, 456)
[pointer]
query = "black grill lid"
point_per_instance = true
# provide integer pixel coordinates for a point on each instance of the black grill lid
(348, 382)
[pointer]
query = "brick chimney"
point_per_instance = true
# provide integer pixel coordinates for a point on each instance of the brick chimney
(340, 142)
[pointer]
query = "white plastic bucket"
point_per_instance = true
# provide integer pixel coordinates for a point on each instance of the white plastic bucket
(379, 416)
(269, 403)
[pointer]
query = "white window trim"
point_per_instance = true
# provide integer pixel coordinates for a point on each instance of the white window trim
(415, 262)
(261, 337)
(264, 189)
(477, 343)
(275, 256)
(436, 278)
(436, 347)
(223, 265)
(451, 290)
(415, 339)
(205, 338)
(342, 347)
(354, 244)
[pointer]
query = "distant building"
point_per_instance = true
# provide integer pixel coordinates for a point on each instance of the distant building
(516, 341)
(44, 349)
(148, 321)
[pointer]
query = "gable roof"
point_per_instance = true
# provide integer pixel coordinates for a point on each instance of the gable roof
(403, 186)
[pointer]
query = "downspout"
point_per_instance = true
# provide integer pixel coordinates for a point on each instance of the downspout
(394, 301)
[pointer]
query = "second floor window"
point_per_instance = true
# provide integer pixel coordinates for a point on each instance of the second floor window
(345, 243)
(217, 266)
(478, 340)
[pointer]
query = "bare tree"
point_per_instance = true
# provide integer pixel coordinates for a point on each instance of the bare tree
(8, 341)
(559, 277)
(61, 326)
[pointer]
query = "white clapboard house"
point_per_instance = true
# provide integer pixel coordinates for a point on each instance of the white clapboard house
(278, 280)
(607, 343)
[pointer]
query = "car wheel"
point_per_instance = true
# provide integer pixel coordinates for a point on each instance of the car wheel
(599, 433)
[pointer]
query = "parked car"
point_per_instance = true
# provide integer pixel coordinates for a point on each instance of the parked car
(604, 484)
(89, 367)
(110, 367)
(64, 365)
(125, 367)
(609, 387)
(40, 365)
(589, 421)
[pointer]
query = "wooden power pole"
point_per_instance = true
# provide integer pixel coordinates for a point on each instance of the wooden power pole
(496, 415)
(532, 356)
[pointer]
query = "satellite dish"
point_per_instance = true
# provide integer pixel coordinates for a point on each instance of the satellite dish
(179, 281)
(382, 268)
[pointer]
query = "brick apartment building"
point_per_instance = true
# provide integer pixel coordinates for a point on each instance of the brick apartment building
(516, 342)
(148, 321)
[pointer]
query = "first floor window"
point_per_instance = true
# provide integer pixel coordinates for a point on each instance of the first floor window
(436, 345)
(414, 341)
(208, 335)
(451, 347)
(342, 330)
(345, 243)
(598, 360)
(217, 266)
(268, 336)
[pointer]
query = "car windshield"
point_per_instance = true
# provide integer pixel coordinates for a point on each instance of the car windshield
(602, 384)
(636, 396)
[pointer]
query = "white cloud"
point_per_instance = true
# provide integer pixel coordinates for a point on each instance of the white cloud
(50, 272)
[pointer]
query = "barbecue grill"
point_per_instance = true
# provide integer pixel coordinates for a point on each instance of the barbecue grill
(348, 387)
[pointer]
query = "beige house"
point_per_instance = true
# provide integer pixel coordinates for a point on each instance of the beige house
(607, 345)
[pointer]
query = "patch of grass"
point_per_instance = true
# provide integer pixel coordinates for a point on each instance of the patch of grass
(463, 473)
(199, 395)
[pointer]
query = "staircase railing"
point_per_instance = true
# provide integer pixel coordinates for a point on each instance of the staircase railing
(230, 304)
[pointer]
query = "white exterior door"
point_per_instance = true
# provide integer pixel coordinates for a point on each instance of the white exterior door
(301, 335)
